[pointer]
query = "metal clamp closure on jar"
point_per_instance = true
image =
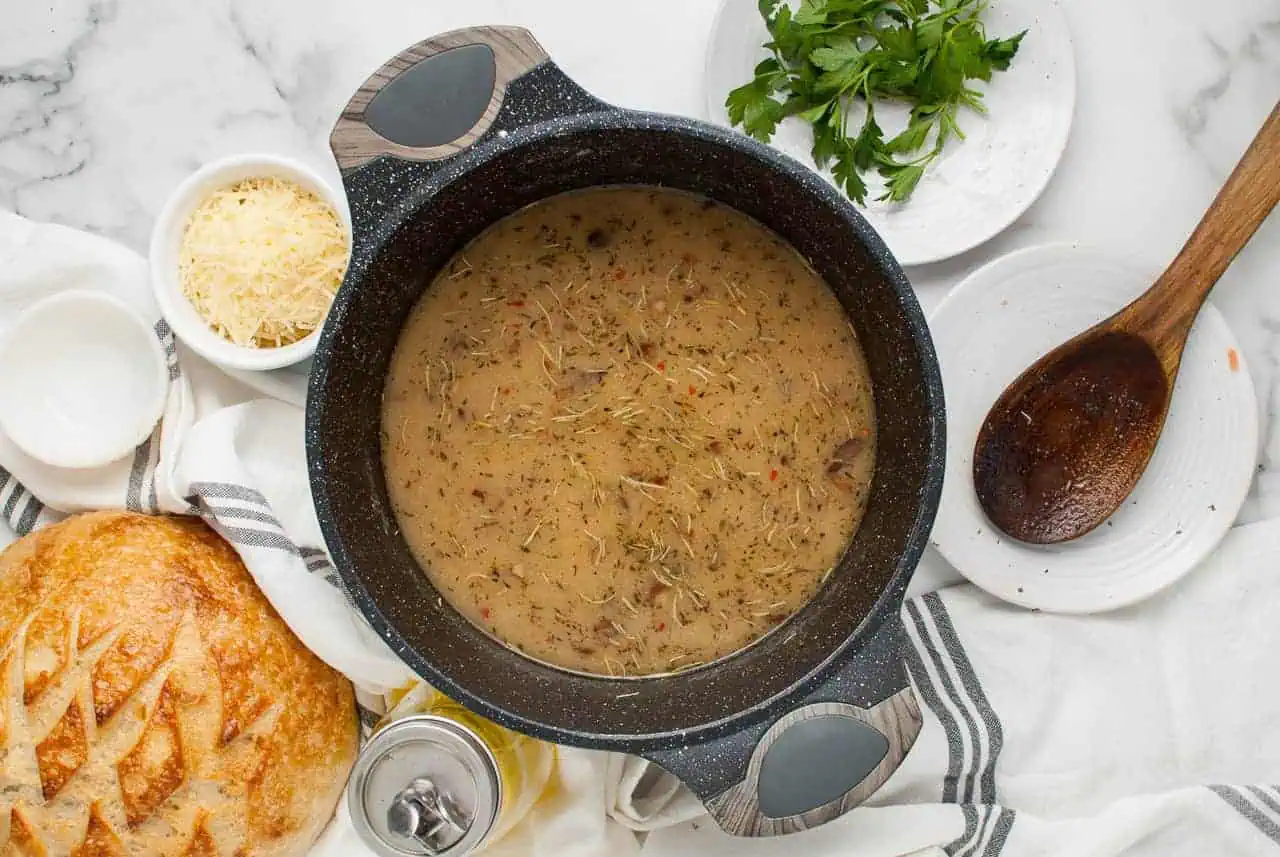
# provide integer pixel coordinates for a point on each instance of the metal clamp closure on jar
(421, 812)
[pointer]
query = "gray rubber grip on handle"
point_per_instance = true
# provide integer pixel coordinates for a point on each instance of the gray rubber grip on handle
(817, 763)
(435, 98)
(816, 760)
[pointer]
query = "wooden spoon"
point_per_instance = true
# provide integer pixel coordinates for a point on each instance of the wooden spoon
(1066, 442)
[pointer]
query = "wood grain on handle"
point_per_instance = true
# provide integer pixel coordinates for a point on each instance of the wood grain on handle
(737, 810)
(1164, 315)
(354, 143)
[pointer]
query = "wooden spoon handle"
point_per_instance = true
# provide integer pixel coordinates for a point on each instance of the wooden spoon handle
(1164, 315)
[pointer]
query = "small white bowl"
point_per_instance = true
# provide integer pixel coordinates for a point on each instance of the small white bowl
(87, 380)
(166, 237)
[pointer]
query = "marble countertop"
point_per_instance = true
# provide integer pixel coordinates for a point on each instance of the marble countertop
(105, 105)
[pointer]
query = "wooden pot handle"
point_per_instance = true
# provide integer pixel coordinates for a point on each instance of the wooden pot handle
(435, 98)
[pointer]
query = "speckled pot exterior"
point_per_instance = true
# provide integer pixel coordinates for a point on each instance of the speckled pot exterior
(410, 218)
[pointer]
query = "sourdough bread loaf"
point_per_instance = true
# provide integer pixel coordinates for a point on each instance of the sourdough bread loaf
(153, 703)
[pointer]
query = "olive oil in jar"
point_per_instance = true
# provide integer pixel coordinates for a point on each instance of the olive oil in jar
(438, 779)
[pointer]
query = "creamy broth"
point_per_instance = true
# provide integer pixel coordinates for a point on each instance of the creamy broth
(628, 431)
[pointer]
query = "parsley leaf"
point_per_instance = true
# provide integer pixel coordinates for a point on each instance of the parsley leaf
(837, 56)
(913, 138)
(1000, 52)
(828, 141)
(827, 56)
(868, 143)
(902, 180)
(811, 12)
(850, 180)
(752, 107)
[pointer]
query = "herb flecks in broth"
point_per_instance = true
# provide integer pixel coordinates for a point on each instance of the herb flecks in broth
(628, 431)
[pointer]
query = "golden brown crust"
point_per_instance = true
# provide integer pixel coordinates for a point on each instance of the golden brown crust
(152, 702)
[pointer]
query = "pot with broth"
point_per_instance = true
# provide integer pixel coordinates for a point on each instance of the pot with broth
(628, 431)
(625, 431)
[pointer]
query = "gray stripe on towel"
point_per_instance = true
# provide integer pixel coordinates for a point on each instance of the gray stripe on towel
(924, 683)
(12, 503)
(999, 836)
(4, 479)
(246, 537)
(165, 334)
(1251, 813)
(1270, 802)
(241, 536)
(234, 513)
(318, 563)
(970, 829)
(961, 703)
(228, 491)
(986, 776)
(27, 522)
(133, 494)
(986, 812)
(153, 475)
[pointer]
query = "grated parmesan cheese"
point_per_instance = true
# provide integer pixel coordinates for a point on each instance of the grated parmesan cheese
(261, 260)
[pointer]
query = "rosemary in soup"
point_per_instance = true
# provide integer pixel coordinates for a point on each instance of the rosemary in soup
(628, 431)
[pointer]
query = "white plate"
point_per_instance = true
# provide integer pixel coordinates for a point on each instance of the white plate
(979, 185)
(1001, 320)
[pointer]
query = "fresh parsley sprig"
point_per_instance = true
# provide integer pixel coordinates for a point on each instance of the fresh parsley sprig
(829, 56)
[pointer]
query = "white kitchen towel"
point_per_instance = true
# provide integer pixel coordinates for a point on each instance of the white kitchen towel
(39, 260)
(1147, 732)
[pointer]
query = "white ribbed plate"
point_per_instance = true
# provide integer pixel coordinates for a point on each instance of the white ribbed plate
(1004, 317)
(978, 186)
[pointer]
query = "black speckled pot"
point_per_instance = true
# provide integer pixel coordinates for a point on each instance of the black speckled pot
(463, 129)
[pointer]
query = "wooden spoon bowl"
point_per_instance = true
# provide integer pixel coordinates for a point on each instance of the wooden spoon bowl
(1068, 440)
(1082, 432)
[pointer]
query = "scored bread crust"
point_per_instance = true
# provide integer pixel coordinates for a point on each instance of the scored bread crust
(153, 703)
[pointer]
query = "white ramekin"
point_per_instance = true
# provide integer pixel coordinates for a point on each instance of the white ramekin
(85, 380)
(166, 236)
